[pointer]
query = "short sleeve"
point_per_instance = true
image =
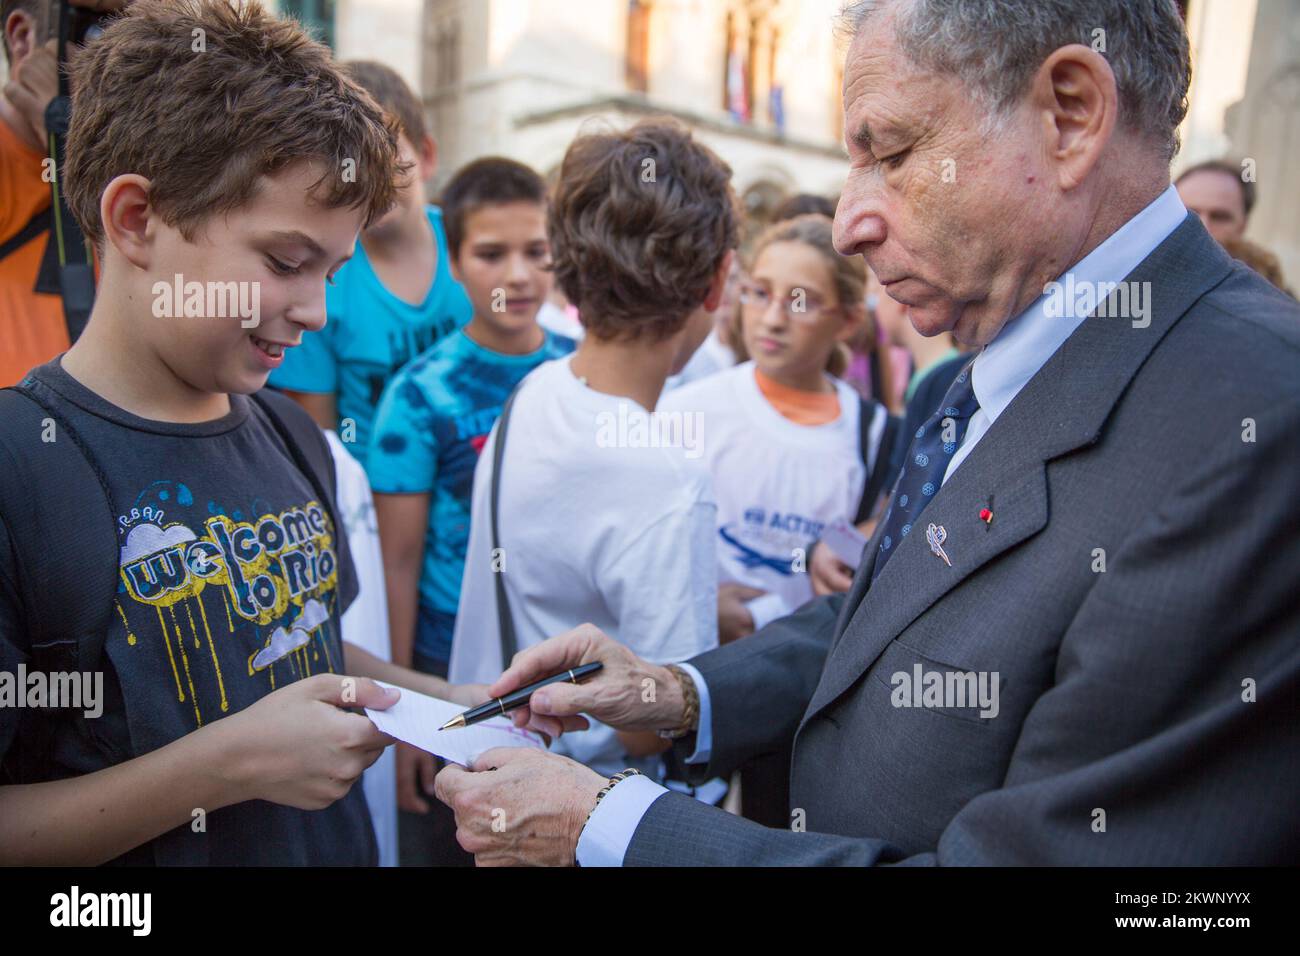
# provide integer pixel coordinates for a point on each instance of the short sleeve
(311, 366)
(403, 454)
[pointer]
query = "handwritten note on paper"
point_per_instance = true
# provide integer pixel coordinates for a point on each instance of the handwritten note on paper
(416, 717)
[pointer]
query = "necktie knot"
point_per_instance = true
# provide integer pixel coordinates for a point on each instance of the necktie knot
(927, 462)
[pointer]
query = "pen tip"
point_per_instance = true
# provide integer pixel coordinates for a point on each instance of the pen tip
(457, 721)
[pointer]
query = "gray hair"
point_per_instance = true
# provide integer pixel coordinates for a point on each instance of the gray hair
(995, 47)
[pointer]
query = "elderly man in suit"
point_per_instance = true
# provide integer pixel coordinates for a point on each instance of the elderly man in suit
(1074, 637)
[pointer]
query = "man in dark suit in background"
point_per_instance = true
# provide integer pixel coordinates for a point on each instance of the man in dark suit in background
(1074, 637)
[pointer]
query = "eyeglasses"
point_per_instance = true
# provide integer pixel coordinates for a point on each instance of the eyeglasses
(798, 306)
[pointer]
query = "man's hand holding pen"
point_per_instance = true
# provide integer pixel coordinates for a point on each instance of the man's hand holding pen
(532, 805)
(627, 694)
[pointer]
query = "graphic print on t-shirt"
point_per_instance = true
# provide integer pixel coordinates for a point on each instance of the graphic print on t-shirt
(769, 541)
(428, 434)
(215, 582)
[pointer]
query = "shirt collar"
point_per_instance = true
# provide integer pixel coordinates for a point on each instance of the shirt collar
(1027, 341)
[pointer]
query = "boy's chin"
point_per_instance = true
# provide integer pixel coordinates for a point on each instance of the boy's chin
(510, 323)
(250, 384)
(243, 380)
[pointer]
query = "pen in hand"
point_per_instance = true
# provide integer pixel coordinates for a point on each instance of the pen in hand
(499, 706)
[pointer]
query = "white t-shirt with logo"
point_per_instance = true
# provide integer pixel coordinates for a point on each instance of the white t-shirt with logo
(777, 483)
(599, 523)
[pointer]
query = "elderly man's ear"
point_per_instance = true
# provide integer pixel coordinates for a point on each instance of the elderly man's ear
(1075, 93)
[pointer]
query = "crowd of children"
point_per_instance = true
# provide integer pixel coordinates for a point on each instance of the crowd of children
(516, 488)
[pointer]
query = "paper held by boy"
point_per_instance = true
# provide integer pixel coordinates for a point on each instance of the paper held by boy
(416, 717)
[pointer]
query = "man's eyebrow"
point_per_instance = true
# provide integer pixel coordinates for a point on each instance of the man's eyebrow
(295, 235)
(862, 137)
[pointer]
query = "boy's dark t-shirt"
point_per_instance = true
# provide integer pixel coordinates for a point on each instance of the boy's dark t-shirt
(230, 586)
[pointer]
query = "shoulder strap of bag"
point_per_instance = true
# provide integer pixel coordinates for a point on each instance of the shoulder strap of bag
(58, 512)
(38, 224)
(304, 439)
(875, 483)
(311, 454)
(505, 620)
(58, 509)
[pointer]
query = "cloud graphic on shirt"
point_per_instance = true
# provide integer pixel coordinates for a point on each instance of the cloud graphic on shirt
(146, 539)
(286, 640)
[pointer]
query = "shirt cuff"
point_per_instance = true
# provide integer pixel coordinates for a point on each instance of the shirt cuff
(766, 608)
(703, 733)
(608, 833)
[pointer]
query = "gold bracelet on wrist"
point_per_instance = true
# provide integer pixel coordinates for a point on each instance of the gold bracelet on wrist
(690, 705)
(613, 781)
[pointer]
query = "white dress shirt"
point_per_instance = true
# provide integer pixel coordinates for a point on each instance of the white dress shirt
(1000, 371)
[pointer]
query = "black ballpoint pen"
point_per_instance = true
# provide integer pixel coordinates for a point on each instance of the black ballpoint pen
(503, 705)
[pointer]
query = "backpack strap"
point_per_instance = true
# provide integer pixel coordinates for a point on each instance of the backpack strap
(311, 454)
(58, 508)
(38, 224)
(505, 620)
(875, 482)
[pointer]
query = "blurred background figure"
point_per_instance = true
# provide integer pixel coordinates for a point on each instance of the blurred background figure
(1219, 192)
(800, 204)
(32, 327)
(1259, 259)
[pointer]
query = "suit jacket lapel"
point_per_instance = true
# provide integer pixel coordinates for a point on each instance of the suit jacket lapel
(1063, 407)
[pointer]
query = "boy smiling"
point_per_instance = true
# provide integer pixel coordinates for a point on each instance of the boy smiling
(220, 647)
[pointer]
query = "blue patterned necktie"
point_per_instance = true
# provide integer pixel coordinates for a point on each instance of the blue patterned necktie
(927, 461)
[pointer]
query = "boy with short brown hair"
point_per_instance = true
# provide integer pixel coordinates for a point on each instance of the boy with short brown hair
(204, 160)
(598, 520)
(395, 299)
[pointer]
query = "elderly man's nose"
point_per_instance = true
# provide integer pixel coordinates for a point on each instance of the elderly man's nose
(858, 224)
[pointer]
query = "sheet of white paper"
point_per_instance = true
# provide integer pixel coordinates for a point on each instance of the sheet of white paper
(416, 717)
(845, 541)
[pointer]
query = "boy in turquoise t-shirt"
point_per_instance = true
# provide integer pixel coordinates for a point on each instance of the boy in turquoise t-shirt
(391, 301)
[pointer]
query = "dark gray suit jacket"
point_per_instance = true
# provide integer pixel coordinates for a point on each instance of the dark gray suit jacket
(1123, 736)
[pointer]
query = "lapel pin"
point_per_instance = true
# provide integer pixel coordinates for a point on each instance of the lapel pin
(986, 516)
(936, 535)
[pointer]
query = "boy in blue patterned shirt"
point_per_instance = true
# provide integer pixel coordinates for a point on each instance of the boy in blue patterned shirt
(437, 412)
(394, 299)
